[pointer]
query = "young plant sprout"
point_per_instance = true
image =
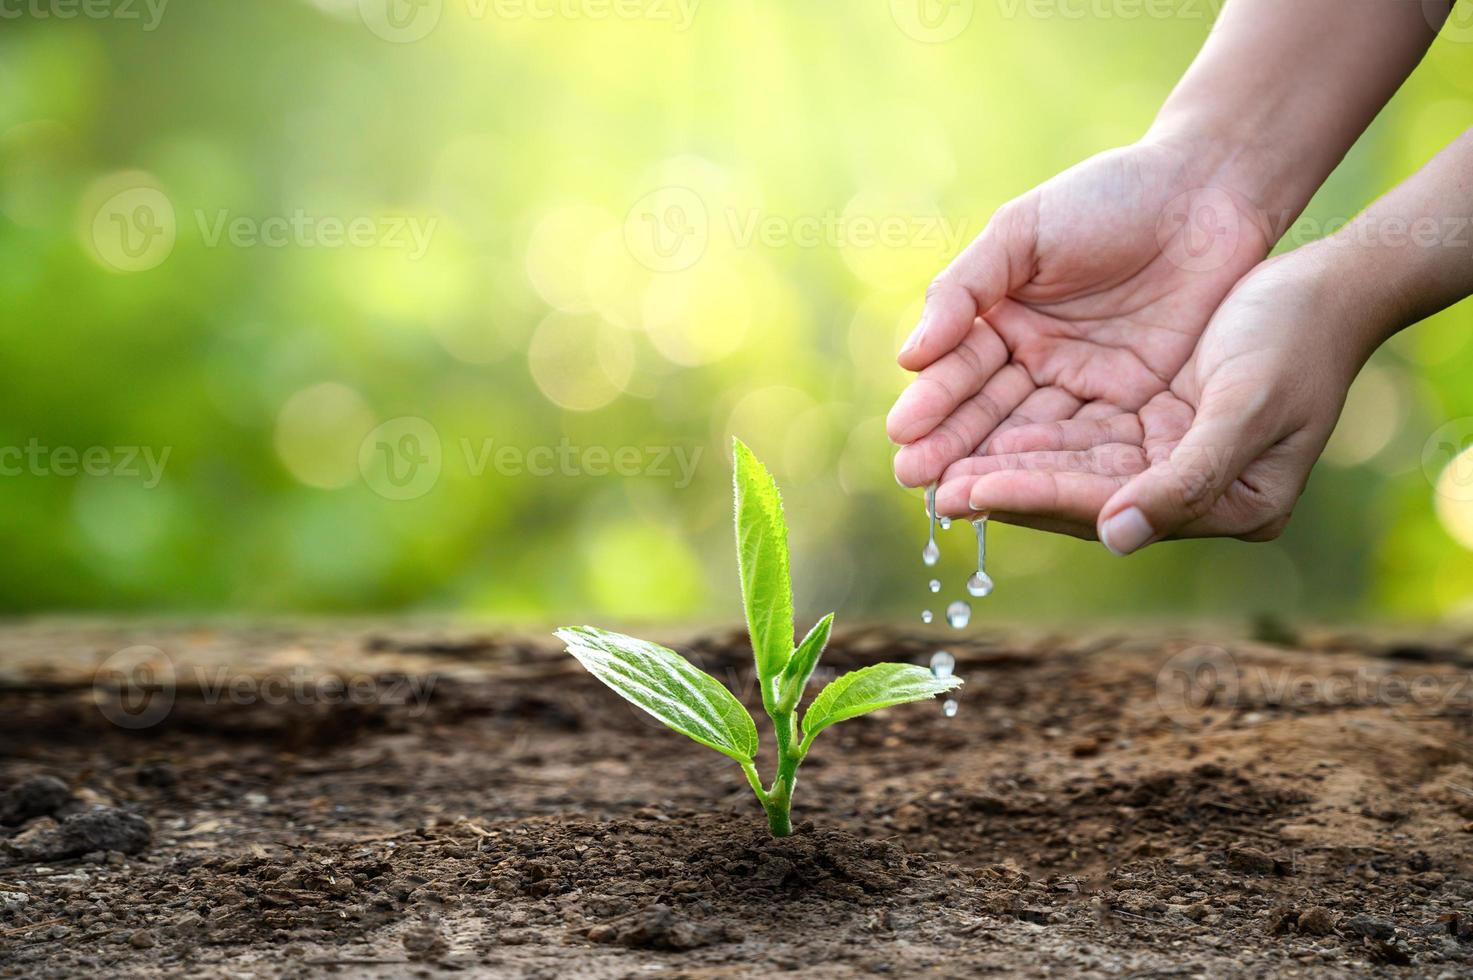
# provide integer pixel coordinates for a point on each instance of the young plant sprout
(694, 703)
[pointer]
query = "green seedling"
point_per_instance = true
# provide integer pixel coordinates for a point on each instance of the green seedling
(694, 703)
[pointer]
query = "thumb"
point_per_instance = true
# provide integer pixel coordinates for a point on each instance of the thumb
(1186, 485)
(999, 260)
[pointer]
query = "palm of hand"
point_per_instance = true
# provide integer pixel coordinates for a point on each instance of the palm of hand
(1123, 262)
(1058, 475)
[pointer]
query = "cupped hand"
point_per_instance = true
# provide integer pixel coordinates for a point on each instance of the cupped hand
(1226, 450)
(1081, 300)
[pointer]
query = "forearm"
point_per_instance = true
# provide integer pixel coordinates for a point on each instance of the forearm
(1406, 257)
(1283, 88)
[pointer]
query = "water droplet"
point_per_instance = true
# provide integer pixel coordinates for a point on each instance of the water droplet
(959, 614)
(926, 616)
(980, 584)
(945, 523)
(949, 708)
(932, 554)
(935, 585)
(942, 664)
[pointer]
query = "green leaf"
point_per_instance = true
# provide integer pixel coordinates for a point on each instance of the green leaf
(870, 689)
(668, 686)
(762, 561)
(800, 667)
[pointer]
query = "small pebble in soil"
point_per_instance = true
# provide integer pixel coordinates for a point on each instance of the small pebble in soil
(39, 796)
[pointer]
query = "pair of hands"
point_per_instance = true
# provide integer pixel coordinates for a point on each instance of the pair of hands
(1114, 357)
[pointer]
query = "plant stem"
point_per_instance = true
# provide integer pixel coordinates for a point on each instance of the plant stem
(778, 800)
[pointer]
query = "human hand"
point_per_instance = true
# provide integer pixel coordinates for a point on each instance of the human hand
(1080, 300)
(1226, 450)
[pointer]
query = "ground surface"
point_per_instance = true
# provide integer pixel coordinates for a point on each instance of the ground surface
(1122, 804)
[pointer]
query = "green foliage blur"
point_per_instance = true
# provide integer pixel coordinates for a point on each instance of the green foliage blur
(424, 307)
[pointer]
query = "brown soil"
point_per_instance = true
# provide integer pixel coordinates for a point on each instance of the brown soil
(1308, 815)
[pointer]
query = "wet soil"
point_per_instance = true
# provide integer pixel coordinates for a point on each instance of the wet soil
(376, 800)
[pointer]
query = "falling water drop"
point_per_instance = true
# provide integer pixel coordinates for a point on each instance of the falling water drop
(980, 584)
(949, 708)
(932, 554)
(935, 585)
(942, 664)
(959, 614)
(926, 616)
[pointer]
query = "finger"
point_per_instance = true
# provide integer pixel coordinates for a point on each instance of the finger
(937, 392)
(998, 261)
(1044, 405)
(1071, 434)
(959, 434)
(1099, 410)
(952, 500)
(1184, 485)
(1111, 459)
(1068, 497)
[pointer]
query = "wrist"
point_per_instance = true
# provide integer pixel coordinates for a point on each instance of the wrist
(1227, 150)
(1348, 293)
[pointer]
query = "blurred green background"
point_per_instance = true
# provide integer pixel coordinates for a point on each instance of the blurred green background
(350, 271)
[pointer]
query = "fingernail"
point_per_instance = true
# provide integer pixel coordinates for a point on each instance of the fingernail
(916, 336)
(1126, 532)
